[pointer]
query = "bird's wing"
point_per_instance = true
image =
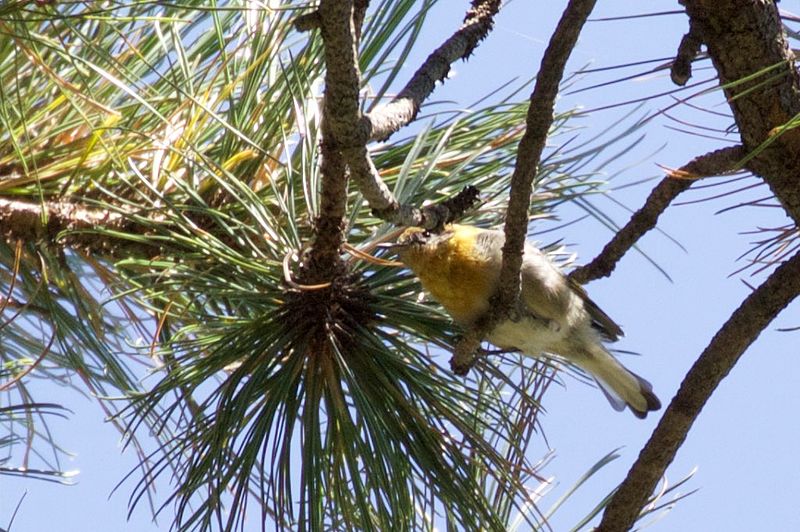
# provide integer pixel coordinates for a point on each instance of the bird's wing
(544, 289)
(600, 320)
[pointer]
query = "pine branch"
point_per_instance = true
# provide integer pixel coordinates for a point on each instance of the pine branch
(677, 181)
(748, 47)
(345, 145)
(69, 223)
(742, 328)
(529, 154)
(387, 119)
(340, 107)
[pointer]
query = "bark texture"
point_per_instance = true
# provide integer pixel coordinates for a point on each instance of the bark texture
(68, 224)
(339, 113)
(745, 38)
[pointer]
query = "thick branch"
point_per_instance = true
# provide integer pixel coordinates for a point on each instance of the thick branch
(539, 120)
(70, 222)
(23, 220)
(339, 112)
(389, 118)
(746, 39)
(713, 163)
(343, 145)
(311, 21)
(741, 330)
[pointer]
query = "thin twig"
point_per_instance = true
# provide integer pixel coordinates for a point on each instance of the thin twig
(391, 117)
(742, 328)
(531, 146)
(386, 207)
(713, 163)
(45, 351)
(359, 14)
(688, 50)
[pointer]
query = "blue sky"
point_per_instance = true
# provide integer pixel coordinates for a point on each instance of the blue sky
(743, 444)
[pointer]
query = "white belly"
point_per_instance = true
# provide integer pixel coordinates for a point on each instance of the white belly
(531, 336)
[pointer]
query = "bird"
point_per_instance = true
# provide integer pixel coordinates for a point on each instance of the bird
(460, 268)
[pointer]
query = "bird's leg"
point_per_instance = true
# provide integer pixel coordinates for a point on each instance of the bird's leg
(466, 351)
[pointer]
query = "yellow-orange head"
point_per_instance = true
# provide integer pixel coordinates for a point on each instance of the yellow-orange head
(454, 266)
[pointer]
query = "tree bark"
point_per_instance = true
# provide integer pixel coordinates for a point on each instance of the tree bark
(745, 38)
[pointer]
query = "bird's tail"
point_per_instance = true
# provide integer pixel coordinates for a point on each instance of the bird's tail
(621, 386)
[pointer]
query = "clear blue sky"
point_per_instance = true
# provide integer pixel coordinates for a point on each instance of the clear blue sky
(744, 443)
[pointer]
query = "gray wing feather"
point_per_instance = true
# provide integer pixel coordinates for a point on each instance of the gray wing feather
(546, 290)
(600, 320)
